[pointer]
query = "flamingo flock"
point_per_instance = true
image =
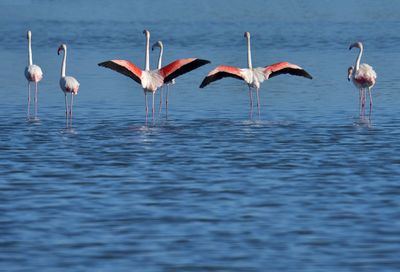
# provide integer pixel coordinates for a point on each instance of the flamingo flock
(362, 75)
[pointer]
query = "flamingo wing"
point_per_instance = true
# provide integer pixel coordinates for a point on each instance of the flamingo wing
(219, 72)
(285, 68)
(180, 67)
(124, 67)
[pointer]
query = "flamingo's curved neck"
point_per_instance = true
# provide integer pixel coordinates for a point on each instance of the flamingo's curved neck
(147, 60)
(30, 51)
(64, 62)
(160, 56)
(357, 65)
(249, 53)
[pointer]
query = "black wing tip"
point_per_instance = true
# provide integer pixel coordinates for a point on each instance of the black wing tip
(104, 63)
(204, 83)
(307, 75)
(203, 61)
(304, 73)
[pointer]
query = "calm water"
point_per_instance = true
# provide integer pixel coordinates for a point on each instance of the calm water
(310, 186)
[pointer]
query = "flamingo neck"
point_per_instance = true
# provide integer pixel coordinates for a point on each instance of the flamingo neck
(357, 65)
(64, 63)
(30, 51)
(147, 60)
(249, 53)
(160, 57)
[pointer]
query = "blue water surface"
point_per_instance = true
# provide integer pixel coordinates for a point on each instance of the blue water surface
(308, 186)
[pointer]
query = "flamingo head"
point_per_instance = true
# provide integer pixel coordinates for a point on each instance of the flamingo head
(157, 44)
(356, 45)
(29, 35)
(349, 72)
(62, 47)
(146, 32)
(247, 35)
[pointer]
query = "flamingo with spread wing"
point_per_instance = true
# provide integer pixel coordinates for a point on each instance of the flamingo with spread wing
(253, 76)
(151, 80)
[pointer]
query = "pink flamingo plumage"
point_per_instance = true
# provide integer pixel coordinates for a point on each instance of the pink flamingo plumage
(151, 80)
(33, 73)
(363, 76)
(68, 84)
(253, 76)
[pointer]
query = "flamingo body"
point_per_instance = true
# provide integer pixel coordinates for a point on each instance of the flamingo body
(69, 84)
(33, 73)
(364, 77)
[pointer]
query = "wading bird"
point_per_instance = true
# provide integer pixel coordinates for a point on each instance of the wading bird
(253, 76)
(68, 84)
(33, 73)
(151, 80)
(160, 45)
(363, 77)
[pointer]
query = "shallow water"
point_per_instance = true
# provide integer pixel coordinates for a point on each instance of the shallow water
(308, 186)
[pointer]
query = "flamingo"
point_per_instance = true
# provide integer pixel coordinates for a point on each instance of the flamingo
(160, 45)
(362, 75)
(253, 76)
(68, 84)
(33, 73)
(151, 80)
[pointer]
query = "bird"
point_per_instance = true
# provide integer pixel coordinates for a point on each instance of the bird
(160, 45)
(151, 80)
(33, 73)
(363, 77)
(253, 76)
(68, 84)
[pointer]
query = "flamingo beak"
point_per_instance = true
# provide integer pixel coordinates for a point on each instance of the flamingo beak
(58, 51)
(354, 45)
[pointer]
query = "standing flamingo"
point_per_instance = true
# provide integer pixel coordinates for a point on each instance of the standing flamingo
(33, 73)
(253, 76)
(151, 80)
(363, 77)
(68, 84)
(161, 46)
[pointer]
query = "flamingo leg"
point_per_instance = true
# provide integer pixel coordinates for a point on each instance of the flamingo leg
(370, 100)
(251, 102)
(152, 104)
(147, 108)
(29, 98)
(161, 96)
(166, 100)
(36, 99)
(66, 109)
(364, 100)
(258, 102)
(70, 110)
(360, 100)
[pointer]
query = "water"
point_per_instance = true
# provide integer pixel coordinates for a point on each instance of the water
(310, 186)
